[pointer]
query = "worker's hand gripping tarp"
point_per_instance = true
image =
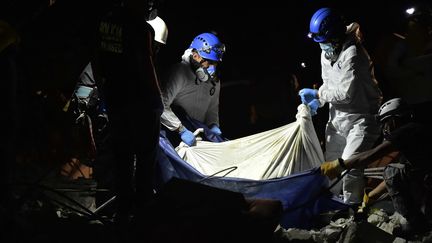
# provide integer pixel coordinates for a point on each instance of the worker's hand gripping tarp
(307, 95)
(187, 137)
(314, 105)
(216, 130)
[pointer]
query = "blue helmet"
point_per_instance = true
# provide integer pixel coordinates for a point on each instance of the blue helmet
(208, 46)
(326, 24)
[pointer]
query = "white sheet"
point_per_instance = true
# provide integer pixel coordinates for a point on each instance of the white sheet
(271, 154)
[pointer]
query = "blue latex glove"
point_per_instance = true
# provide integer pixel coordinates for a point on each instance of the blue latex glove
(187, 137)
(216, 130)
(314, 105)
(307, 95)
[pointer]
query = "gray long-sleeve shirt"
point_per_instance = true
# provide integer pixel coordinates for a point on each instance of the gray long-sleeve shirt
(200, 100)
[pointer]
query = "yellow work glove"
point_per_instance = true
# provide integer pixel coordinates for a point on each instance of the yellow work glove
(332, 169)
(366, 200)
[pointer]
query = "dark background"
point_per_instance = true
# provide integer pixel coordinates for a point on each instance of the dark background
(265, 40)
(269, 33)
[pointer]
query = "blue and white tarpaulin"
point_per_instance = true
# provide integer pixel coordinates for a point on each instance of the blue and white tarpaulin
(281, 163)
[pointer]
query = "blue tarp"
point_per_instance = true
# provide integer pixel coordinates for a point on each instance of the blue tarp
(303, 195)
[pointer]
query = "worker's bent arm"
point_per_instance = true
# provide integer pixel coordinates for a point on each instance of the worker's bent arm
(365, 158)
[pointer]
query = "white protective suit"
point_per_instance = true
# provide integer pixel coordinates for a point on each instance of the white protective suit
(350, 88)
(199, 99)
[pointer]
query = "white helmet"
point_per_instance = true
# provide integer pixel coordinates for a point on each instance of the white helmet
(160, 29)
(394, 107)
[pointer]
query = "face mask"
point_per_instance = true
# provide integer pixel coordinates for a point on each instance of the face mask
(330, 51)
(327, 47)
(203, 74)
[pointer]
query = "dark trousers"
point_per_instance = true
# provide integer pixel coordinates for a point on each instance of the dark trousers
(408, 190)
(135, 127)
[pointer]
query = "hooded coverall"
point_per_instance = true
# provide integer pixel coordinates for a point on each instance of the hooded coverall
(350, 88)
(200, 100)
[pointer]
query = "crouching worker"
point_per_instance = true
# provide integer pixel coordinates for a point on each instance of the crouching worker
(408, 181)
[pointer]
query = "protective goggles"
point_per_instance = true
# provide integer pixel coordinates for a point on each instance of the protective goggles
(219, 49)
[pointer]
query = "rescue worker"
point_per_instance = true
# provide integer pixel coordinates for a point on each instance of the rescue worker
(350, 88)
(130, 87)
(408, 182)
(193, 87)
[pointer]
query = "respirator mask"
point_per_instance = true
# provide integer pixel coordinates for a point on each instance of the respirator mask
(330, 51)
(203, 74)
